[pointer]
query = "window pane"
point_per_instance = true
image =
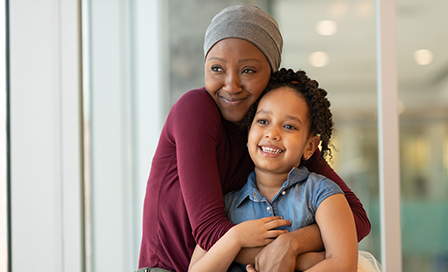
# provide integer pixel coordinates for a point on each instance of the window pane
(423, 94)
(334, 42)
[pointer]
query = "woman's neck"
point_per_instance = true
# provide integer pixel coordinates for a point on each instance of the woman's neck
(269, 183)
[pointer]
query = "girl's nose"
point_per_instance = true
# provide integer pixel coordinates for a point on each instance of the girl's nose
(273, 134)
(233, 83)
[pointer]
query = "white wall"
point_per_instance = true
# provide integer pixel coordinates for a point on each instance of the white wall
(125, 122)
(45, 136)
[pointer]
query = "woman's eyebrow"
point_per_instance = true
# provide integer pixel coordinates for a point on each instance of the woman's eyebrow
(216, 58)
(248, 60)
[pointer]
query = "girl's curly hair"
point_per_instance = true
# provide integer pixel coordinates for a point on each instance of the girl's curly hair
(318, 105)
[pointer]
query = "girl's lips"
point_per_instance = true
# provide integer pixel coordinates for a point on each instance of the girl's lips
(271, 151)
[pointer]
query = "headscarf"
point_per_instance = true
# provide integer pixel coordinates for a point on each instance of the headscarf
(249, 23)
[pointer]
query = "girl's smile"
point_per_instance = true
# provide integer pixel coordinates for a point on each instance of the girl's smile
(279, 135)
(271, 150)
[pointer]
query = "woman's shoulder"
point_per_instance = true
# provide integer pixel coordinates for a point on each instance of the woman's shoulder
(195, 103)
(195, 96)
(195, 112)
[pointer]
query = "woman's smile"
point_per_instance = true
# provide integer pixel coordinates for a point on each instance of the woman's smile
(236, 73)
(234, 102)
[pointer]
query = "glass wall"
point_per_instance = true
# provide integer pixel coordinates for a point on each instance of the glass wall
(423, 94)
(334, 42)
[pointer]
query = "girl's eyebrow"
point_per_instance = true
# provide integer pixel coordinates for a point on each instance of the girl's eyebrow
(294, 118)
(290, 117)
(263, 111)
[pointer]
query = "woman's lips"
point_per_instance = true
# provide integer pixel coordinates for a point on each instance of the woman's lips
(232, 101)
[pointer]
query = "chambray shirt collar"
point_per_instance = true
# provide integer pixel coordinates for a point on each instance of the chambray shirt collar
(250, 190)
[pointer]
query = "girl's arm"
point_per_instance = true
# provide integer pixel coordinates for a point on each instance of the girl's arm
(251, 233)
(314, 164)
(337, 227)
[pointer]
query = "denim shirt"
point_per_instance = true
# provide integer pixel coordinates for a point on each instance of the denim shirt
(297, 200)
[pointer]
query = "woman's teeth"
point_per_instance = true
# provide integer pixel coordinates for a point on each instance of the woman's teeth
(271, 150)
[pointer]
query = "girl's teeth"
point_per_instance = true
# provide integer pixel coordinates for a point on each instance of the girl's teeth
(271, 150)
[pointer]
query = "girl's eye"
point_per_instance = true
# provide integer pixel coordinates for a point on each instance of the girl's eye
(216, 68)
(262, 121)
(290, 127)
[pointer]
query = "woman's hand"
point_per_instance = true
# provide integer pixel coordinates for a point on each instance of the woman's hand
(281, 255)
(277, 256)
(259, 232)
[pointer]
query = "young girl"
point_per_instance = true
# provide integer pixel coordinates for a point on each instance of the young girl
(290, 122)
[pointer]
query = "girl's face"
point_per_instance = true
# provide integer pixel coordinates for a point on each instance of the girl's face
(279, 134)
(236, 73)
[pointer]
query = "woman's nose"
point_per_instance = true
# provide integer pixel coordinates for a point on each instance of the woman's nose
(233, 83)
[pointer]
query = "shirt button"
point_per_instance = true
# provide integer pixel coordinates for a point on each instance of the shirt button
(284, 193)
(269, 209)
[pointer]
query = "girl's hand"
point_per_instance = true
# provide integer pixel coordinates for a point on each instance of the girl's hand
(259, 232)
(250, 268)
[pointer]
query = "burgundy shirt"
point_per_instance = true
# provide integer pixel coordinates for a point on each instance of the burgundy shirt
(200, 156)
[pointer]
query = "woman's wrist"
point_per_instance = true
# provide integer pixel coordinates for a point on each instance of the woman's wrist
(291, 241)
(305, 240)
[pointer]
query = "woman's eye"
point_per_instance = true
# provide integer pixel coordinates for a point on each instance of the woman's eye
(262, 121)
(216, 68)
(290, 127)
(248, 71)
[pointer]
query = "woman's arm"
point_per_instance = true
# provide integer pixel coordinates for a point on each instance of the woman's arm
(251, 233)
(338, 231)
(284, 251)
(362, 222)
(196, 133)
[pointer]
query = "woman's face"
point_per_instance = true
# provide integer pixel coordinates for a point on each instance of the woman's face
(236, 73)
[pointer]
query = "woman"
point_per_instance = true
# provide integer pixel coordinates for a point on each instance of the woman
(202, 151)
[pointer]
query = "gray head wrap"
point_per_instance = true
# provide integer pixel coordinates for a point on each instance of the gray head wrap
(249, 23)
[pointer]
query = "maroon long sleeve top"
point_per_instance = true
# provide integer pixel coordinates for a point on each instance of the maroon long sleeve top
(200, 156)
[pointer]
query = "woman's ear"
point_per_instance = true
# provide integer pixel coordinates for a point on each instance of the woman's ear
(311, 146)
